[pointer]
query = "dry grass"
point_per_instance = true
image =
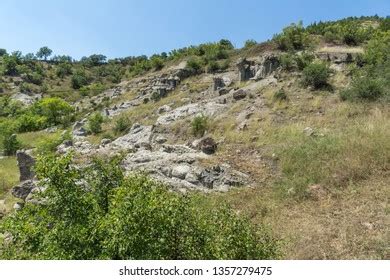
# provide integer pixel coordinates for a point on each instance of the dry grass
(349, 159)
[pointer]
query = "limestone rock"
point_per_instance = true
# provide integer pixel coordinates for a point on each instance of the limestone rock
(26, 163)
(138, 136)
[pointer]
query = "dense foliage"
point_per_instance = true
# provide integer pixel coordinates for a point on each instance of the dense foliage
(97, 213)
(316, 75)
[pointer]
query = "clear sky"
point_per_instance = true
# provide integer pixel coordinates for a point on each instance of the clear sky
(118, 28)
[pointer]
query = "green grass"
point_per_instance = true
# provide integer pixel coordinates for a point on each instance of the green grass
(38, 139)
(9, 174)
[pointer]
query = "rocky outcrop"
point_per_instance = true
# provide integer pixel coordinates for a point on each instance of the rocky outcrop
(207, 109)
(338, 57)
(25, 98)
(179, 167)
(79, 129)
(25, 163)
(138, 136)
(257, 69)
(221, 82)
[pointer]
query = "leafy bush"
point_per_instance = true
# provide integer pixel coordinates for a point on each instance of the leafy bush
(280, 95)
(199, 125)
(364, 89)
(304, 59)
(56, 110)
(30, 122)
(122, 124)
(125, 218)
(316, 75)
(10, 143)
(34, 78)
(157, 62)
(249, 43)
(194, 64)
(64, 69)
(95, 122)
(80, 79)
(377, 51)
(26, 88)
(287, 61)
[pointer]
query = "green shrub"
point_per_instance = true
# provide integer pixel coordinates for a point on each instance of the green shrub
(79, 79)
(95, 122)
(377, 51)
(64, 69)
(34, 78)
(212, 66)
(316, 75)
(122, 124)
(30, 122)
(249, 43)
(280, 95)
(125, 218)
(303, 60)
(194, 64)
(10, 143)
(56, 110)
(199, 125)
(157, 62)
(287, 61)
(26, 87)
(364, 89)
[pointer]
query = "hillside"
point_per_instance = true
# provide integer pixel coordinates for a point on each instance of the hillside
(292, 134)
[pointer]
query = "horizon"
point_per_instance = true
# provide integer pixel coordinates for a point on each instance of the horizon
(101, 27)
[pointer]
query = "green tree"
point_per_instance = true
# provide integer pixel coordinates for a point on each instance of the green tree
(3, 52)
(44, 53)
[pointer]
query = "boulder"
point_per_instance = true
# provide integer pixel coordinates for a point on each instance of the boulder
(26, 163)
(180, 171)
(23, 189)
(206, 144)
(138, 136)
(239, 94)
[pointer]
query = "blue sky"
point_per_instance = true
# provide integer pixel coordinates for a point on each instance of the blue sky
(119, 28)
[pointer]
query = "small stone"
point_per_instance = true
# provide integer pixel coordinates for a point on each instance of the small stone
(164, 109)
(18, 206)
(161, 139)
(105, 141)
(308, 131)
